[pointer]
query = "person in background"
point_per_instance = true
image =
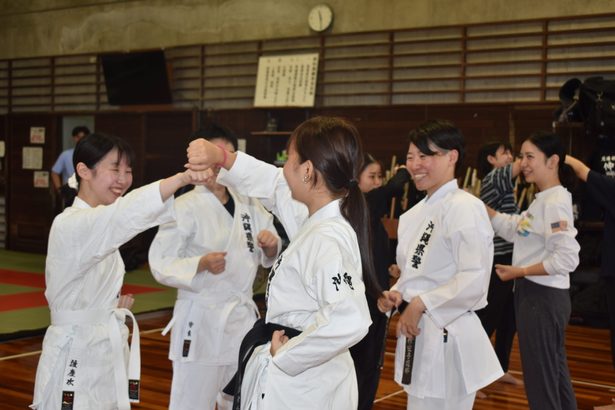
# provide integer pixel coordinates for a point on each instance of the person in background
(601, 188)
(86, 362)
(445, 252)
(63, 169)
(368, 354)
(545, 252)
(211, 254)
(498, 171)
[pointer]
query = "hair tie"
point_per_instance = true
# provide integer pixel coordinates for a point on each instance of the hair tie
(352, 183)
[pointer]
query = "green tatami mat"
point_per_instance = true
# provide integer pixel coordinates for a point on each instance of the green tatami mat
(23, 307)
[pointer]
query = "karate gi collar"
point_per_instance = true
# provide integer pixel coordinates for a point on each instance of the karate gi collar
(80, 203)
(331, 210)
(450, 186)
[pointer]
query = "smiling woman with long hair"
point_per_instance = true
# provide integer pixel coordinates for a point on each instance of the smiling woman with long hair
(316, 306)
(545, 252)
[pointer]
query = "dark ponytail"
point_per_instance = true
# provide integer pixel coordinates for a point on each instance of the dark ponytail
(551, 144)
(334, 148)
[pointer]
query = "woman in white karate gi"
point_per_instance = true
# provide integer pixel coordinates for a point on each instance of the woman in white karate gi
(85, 352)
(445, 251)
(317, 284)
(545, 252)
(211, 254)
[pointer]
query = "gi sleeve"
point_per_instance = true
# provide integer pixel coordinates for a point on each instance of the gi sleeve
(168, 258)
(105, 228)
(471, 243)
(561, 246)
(266, 182)
(342, 319)
(505, 226)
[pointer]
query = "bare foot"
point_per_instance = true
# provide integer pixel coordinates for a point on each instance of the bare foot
(510, 379)
(481, 395)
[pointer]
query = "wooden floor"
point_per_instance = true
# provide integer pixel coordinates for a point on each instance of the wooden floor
(588, 355)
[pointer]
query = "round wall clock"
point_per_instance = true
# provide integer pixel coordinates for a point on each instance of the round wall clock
(320, 17)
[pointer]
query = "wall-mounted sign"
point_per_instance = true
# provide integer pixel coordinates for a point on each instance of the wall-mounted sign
(286, 81)
(41, 179)
(37, 135)
(32, 157)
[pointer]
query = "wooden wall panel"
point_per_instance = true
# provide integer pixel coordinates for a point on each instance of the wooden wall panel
(3, 170)
(129, 126)
(3, 184)
(384, 130)
(167, 137)
(479, 124)
(30, 210)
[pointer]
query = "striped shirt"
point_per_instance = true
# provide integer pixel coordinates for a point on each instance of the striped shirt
(497, 191)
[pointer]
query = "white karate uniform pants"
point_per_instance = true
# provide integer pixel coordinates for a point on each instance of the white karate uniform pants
(455, 399)
(197, 386)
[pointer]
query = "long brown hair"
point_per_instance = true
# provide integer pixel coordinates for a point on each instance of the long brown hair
(334, 147)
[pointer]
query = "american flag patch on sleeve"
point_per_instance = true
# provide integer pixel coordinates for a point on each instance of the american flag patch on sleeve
(559, 226)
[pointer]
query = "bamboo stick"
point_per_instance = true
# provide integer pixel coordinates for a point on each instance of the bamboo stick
(521, 198)
(467, 178)
(392, 214)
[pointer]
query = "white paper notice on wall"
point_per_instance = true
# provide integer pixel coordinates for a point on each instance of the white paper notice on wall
(32, 157)
(2, 149)
(286, 81)
(41, 179)
(37, 135)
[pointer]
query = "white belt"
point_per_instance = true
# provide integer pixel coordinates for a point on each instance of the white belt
(123, 382)
(230, 301)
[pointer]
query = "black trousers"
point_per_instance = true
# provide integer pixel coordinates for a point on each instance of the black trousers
(368, 356)
(543, 313)
(499, 315)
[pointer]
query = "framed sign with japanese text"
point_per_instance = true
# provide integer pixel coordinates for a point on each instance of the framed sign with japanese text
(286, 81)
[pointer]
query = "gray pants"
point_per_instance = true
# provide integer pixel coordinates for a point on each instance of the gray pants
(542, 314)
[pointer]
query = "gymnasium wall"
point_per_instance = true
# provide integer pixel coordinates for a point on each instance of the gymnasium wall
(63, 27)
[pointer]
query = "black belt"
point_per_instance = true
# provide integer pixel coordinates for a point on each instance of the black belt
(259, 335)
(403, 305)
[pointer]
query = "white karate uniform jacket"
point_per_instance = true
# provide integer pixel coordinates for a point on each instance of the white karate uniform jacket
(445, 252)
(315, 286)
(544, 233)
(218, 307)
(84, 272)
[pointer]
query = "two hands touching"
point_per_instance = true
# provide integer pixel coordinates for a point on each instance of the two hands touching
(203, 158)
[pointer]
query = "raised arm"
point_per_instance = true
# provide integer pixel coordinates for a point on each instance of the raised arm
(580, 169)
(203, 155)
(169, 185)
